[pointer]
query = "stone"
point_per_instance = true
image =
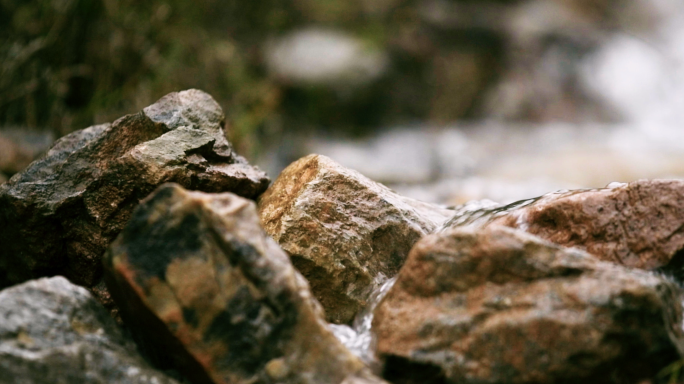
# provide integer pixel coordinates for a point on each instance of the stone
(208, 292)
(345, 233)
(60, 214)
(52, 331)
(639, 225)
(498, 305)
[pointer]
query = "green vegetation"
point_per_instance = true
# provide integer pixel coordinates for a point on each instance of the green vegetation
(68, 64)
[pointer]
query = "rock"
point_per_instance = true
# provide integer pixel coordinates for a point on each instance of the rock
(206, 289)
(52, 331)
(639, 225)
(59, 215)
(317, 56)
(503, 306)
(345, 233)
(20, 146)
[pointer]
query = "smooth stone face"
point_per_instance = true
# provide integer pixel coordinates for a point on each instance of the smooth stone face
(502, 306)
(60, 214)
(345, 233)
(52, 331)
(639, 225)
(209, 293)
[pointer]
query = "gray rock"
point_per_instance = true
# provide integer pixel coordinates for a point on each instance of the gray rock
(344, 232)
(52, 331)
(60, 214)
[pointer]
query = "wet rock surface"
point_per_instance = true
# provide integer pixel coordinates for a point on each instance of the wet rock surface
(640, 224)
(344, 232)
(60, 214)
(208, 292)
(52, 331)
(499, 305)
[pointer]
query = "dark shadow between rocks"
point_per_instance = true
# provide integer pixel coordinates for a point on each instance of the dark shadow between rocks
(398, 370)
(675, 268)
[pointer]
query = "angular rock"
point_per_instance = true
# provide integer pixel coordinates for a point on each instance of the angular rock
(60, 214)
(345, 233)
(52, 331)
(639, 225)
(208, 292)
(503, 306)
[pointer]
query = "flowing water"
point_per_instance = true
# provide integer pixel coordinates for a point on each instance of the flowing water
(359, 337)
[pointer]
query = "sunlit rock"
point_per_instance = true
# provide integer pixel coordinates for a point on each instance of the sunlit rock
(344, 232)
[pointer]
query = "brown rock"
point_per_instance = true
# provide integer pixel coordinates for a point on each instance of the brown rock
(60, 214)
(345, 233)
(502, 306)
(640, 224)
(208, 292)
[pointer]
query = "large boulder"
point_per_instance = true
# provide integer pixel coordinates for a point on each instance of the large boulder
(52, 331)
(208, 292)
(502, 306)
(60, 214)
(345, 233)
(639, 225)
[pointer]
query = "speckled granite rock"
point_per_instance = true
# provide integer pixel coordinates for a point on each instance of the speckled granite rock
(60, 214)
(502, 306)
(52, 331)
(345, 233)
(209, 293)
(640, 224)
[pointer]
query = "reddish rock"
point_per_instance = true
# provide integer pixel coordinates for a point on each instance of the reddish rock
(344, 232)
(207, 292)
(502, 306)
(640, 224)
(60, 214)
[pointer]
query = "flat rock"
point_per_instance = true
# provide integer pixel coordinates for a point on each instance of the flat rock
(60, 214)
(52, 331)
(639, 225)
(208, 292)
(502, 306)
(344, 232)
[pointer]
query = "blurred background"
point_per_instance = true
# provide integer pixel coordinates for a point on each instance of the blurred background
(443, 100)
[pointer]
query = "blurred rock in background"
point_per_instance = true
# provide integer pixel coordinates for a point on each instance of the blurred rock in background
(296, 72)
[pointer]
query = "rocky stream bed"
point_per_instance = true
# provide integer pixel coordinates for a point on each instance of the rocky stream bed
(148, 251)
